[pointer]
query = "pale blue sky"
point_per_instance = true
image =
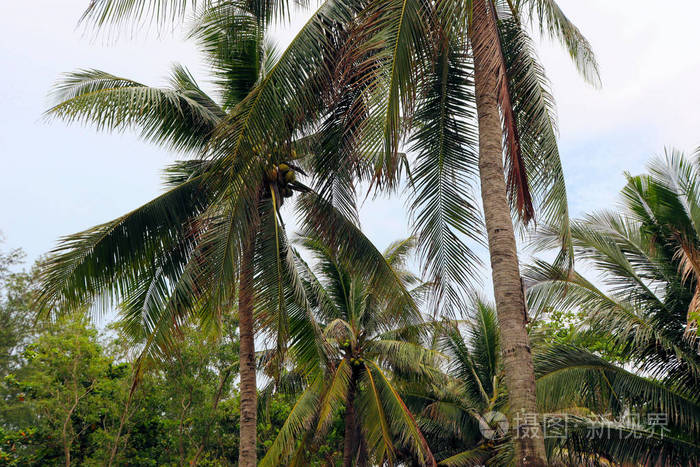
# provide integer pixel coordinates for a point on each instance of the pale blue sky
(56, 180)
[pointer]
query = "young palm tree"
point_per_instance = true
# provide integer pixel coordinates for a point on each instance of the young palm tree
(644, 251)
(455, 413)
(346, 353)
(215, 236)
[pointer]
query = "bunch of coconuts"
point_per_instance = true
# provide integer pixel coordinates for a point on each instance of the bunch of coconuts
(282, 179)
(353, 360)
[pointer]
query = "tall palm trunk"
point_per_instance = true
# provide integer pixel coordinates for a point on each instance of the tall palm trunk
(349, 440)
(510, 302)
(249, 395)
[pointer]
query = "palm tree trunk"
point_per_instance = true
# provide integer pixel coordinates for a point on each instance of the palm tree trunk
(510, 301)
(349, 440)
(249, 395)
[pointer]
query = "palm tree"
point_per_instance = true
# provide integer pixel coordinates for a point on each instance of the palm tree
(347, 353)
(215, 236)
(444, 66)
(454, 413)
(644, 311)
(413, 62)
(591, 395)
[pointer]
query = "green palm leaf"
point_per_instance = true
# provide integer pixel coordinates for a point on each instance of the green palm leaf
(180, 117)
(443, 206)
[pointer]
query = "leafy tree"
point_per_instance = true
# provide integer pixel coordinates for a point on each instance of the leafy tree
(346, 356)
(185, 410)
(63, 398)
(16, 288)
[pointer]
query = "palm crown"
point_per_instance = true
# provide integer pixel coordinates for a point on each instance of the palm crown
(356, 341)
(377, 75)
(641, 312)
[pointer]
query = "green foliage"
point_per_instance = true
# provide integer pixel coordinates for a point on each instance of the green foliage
(555, 326)
(638, 313)
(171, 419)
(65, 397)
(348, 357)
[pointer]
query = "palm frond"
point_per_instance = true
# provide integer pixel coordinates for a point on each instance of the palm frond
(470, 458)
(569, 376)
(180, 117)
(400, 418)
(298, 421)
(656, 350)
(592, 442)
(234, 43)
(361, 256)
(442, 204)
(105, 262)
(335, 396)
(143, 12)
(392, 42)
(533, 107)
(120, 12)
(553, 22)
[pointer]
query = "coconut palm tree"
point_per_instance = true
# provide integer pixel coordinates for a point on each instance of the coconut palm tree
(414, 62)
(648, 291)
(458, 79)
(215, 236)
(455, 413)
(347, 354)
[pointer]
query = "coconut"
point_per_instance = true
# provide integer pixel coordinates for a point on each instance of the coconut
(283, 167)
(290, 176)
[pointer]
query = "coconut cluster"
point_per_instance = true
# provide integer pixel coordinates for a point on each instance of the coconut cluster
(355, 360)
(282, 177)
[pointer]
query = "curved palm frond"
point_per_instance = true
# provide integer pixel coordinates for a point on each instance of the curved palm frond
(180, 117)
(109, 260)
(323, 221)
(400, 418)
(592, 441)
(233, 41)
(654, 349)
(161, 12)
(534, 110)
(299, 420)
(553, 22)
(568, 376)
